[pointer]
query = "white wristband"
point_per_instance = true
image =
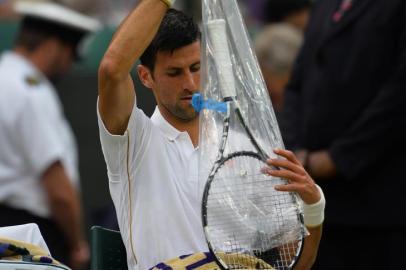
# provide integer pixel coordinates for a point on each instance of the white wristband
(169, 3)
(314, 213)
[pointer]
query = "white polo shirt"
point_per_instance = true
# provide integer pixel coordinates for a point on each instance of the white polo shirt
(153, 179)
(33, 134)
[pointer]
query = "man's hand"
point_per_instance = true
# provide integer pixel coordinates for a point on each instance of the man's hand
(299, 181)
(292, 170)
(79, 255)
(302, 156)
(320, 165)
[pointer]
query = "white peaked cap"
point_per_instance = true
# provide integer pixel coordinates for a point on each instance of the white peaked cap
(58, 14)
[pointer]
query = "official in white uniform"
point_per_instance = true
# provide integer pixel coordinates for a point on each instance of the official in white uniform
(38, 159)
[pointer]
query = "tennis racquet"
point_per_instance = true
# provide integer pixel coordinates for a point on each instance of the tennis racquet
(247, 223)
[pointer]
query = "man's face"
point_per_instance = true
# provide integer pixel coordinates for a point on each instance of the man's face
(62, 61)
(175, 79)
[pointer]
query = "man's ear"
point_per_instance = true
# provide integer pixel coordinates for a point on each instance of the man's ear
(145, 76)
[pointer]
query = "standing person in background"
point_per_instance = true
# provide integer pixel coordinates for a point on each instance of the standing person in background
(345, 106)
(39, 178)
(277, 46)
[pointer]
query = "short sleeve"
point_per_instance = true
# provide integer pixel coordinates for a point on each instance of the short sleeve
(116, 148)
(37, 129)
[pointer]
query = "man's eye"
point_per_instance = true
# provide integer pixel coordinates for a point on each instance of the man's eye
(195, 68)
(173, 73)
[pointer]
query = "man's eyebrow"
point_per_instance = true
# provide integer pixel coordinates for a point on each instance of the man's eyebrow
(170, 68)
(177, 68)
(195, 63)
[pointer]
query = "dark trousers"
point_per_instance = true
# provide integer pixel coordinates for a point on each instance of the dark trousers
(52, 234)
(361, 248)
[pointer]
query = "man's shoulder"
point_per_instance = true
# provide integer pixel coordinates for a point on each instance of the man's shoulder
(21, 83)
(16, 73)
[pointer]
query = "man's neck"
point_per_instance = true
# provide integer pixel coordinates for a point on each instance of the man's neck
(190, 126)
(33, 58)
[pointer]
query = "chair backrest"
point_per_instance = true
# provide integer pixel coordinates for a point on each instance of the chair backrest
(107, 250)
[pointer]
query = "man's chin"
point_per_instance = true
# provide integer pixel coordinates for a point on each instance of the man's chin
(188, 115)
(190, 118)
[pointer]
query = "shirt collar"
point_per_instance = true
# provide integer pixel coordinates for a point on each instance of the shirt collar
(167, 129)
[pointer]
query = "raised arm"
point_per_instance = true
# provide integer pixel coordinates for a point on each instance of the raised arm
(116, 88)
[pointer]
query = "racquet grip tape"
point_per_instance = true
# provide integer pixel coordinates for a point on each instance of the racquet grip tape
(217, 30)
(314, 213)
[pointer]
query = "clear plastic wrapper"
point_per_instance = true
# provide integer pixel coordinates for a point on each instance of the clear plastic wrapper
(240, 73)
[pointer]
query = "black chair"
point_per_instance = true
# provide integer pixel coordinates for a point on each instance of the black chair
(107, 250)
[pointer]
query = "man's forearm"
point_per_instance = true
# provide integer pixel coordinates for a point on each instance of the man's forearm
(313, 219)
(68, 215)
(116, 88)
(135, 34)
(310, 248)
(64, 203)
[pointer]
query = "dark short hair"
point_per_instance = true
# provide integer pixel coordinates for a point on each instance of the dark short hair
(176, 30)
(34, 31)
(278, 10)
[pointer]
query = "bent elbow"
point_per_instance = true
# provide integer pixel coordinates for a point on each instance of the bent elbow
(110, 69)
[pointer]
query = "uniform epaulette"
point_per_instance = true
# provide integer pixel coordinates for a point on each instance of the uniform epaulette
(33, 80)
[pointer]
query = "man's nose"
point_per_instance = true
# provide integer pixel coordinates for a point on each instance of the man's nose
(190, 82)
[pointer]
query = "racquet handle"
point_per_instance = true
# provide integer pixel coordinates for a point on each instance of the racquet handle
(221, 54)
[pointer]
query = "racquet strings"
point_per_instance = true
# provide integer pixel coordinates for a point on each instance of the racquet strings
(248, 218)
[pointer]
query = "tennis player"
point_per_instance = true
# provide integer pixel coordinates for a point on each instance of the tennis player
(153, 162)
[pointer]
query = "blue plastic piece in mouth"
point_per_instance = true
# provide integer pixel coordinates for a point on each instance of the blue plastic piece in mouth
(199, 104)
